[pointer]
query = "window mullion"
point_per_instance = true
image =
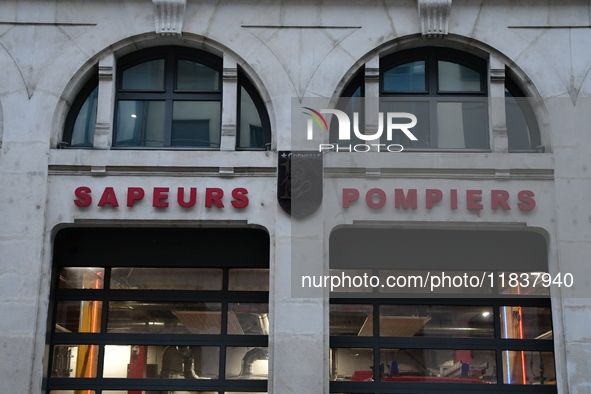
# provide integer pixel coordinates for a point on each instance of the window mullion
(167, 137)
(498, 119)
(229, 104)
(105, 104)
(434, 123)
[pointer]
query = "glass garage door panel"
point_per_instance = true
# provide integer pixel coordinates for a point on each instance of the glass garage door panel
(439, 366)
(161, 362)
(145, 317)
(74, 361)
(81, 278)
(166, 278)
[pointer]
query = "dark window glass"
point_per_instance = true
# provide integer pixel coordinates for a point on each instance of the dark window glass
(144, 76)
(454, 77)
(409, 77)
(522, 128)
(196, 76)
(140, 123)
(84, 126)
(254, 128)
(196, 123)
(251, 128)
(81, 120)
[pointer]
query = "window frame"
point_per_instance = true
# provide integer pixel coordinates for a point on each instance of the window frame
(497, 344)
(171, 55)
(72, 242)
(433, 95)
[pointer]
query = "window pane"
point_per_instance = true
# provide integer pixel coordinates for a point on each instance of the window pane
(351, 319)
(248, 318)
(454, 77)
(145, 76)
(351, 364)
(83, 130)
(461, 125)
(436, 321)
(528, 367)
(517, 128)
(81, 278)
(438, 366)
(524, 322)
(161, 362)
(409, 77)
(166, 278)
(164, 317)
(195, 76)
(422, 130)
(255, 279)
(74, 361)
(251, 126)
(140, 123)
(247, 363)
(78, 316)
(196, 123)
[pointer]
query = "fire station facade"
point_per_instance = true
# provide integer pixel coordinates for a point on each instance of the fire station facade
(189, 204)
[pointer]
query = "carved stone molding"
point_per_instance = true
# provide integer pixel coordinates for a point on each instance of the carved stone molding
(105, 72)
(230, 74)
(169, 16)
(497, 75)
(372, 74)
(434, 17)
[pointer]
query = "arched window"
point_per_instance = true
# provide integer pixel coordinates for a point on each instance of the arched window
(447, 91)
(170, 97)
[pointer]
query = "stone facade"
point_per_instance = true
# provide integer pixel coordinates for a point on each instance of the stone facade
(289, 50)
